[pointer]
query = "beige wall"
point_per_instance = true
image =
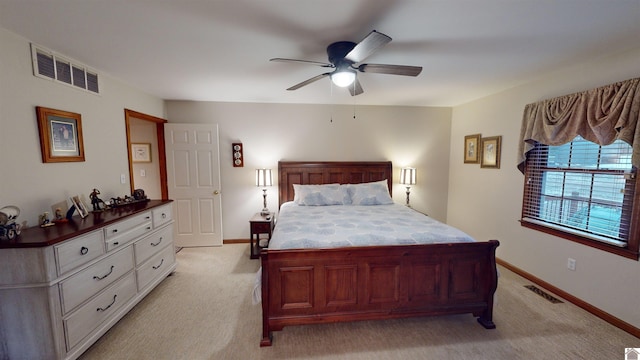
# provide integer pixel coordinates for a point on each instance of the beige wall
(34, 186)
(486, 203)
(407, 136)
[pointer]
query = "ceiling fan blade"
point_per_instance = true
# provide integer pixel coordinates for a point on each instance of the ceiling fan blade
(356, 88)
(391, 69)
(309, 81)
(367, 46)
(309, 62)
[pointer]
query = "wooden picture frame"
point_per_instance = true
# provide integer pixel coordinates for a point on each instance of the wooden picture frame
(60, 135)
(472, 149)
(141, 152)
(80, 206)
(490, 157)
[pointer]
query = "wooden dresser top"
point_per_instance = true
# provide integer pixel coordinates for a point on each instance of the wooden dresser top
(40, 237)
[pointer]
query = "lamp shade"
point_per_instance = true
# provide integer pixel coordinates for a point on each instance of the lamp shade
(264, 178)
(408, 176)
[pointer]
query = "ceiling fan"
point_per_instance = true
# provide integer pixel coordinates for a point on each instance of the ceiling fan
(345, 58)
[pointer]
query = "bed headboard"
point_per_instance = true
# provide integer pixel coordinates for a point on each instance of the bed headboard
(330, 172)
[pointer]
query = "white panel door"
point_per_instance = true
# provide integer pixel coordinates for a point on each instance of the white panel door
(193, 177)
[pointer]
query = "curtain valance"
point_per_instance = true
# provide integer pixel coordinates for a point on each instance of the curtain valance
(600, 115)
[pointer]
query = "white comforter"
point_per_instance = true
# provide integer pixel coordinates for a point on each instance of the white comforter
(349, 225)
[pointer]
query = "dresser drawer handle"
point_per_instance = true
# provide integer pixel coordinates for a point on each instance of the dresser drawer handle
(115, 230)
(164, 216)
(158, 267)
(158, 243)
(148, 227)
(108, 306)
(107, 274)
(148, 217)
(84, 250)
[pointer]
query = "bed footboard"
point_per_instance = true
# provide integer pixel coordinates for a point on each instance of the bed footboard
(366, 283)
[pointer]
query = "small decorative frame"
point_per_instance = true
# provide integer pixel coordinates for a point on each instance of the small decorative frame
(80, 206)
(472, 149)
(490, 157)
(238, 157)
(141, 152)
(60, 135)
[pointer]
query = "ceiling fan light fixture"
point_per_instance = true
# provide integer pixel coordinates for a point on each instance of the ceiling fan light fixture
(343, 78)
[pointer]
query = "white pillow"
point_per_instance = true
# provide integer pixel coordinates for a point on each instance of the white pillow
(319, 195)
(373, 193)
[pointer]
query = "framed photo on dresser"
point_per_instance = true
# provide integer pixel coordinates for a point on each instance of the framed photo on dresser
(80, 206)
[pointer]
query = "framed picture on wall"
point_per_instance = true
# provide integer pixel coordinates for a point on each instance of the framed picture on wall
(60, 135)
(472, 149)
(141, 152)
(490, 157)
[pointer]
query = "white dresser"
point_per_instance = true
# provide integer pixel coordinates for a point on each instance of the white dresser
(64, 286)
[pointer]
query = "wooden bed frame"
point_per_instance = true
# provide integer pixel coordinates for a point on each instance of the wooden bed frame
(310, 286)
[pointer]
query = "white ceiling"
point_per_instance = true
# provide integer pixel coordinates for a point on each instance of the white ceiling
(219, 50)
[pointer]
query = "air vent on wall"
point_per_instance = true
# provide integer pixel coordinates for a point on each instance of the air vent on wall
(49, 65)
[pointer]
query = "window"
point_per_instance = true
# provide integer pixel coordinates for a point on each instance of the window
(51, 66)
(583, 192)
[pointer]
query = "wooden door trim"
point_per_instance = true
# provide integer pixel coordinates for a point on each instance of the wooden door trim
(162, 157)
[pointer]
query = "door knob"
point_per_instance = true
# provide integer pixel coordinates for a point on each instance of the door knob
(216, 192)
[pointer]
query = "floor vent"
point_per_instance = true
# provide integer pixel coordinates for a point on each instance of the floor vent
(543, 294)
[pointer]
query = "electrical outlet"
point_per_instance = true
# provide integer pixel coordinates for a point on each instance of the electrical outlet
(143, 173)
(123, 179)
(571, 264)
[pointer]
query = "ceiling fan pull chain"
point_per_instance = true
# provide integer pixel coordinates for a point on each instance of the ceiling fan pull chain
(354, 100)
(331, 97)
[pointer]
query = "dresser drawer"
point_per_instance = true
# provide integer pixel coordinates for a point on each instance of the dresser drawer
(78, 251)
(117, 229)
(81, 286)
(161, 215)
(151, 244)
(82, 322)
(155, 267)
(122, 232)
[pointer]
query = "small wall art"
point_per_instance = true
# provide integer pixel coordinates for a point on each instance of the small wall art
(472, 149)
(238, 158)
(490, 156)
(141, 152)
(60, 135)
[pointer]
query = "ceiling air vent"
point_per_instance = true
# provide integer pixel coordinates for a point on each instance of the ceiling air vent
(51, 66)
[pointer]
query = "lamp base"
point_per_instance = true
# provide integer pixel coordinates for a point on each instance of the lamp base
(408, 191)
(264, 211)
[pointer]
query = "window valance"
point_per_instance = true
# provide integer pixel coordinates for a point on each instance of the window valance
(600, 115)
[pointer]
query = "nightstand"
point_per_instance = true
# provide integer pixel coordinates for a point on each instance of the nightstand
(260, 225)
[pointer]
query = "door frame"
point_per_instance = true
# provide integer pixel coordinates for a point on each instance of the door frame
(162, 157)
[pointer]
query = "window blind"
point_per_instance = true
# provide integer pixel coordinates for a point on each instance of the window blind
(581, 187)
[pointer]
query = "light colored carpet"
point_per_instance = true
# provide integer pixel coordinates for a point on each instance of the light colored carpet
(204, 311)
